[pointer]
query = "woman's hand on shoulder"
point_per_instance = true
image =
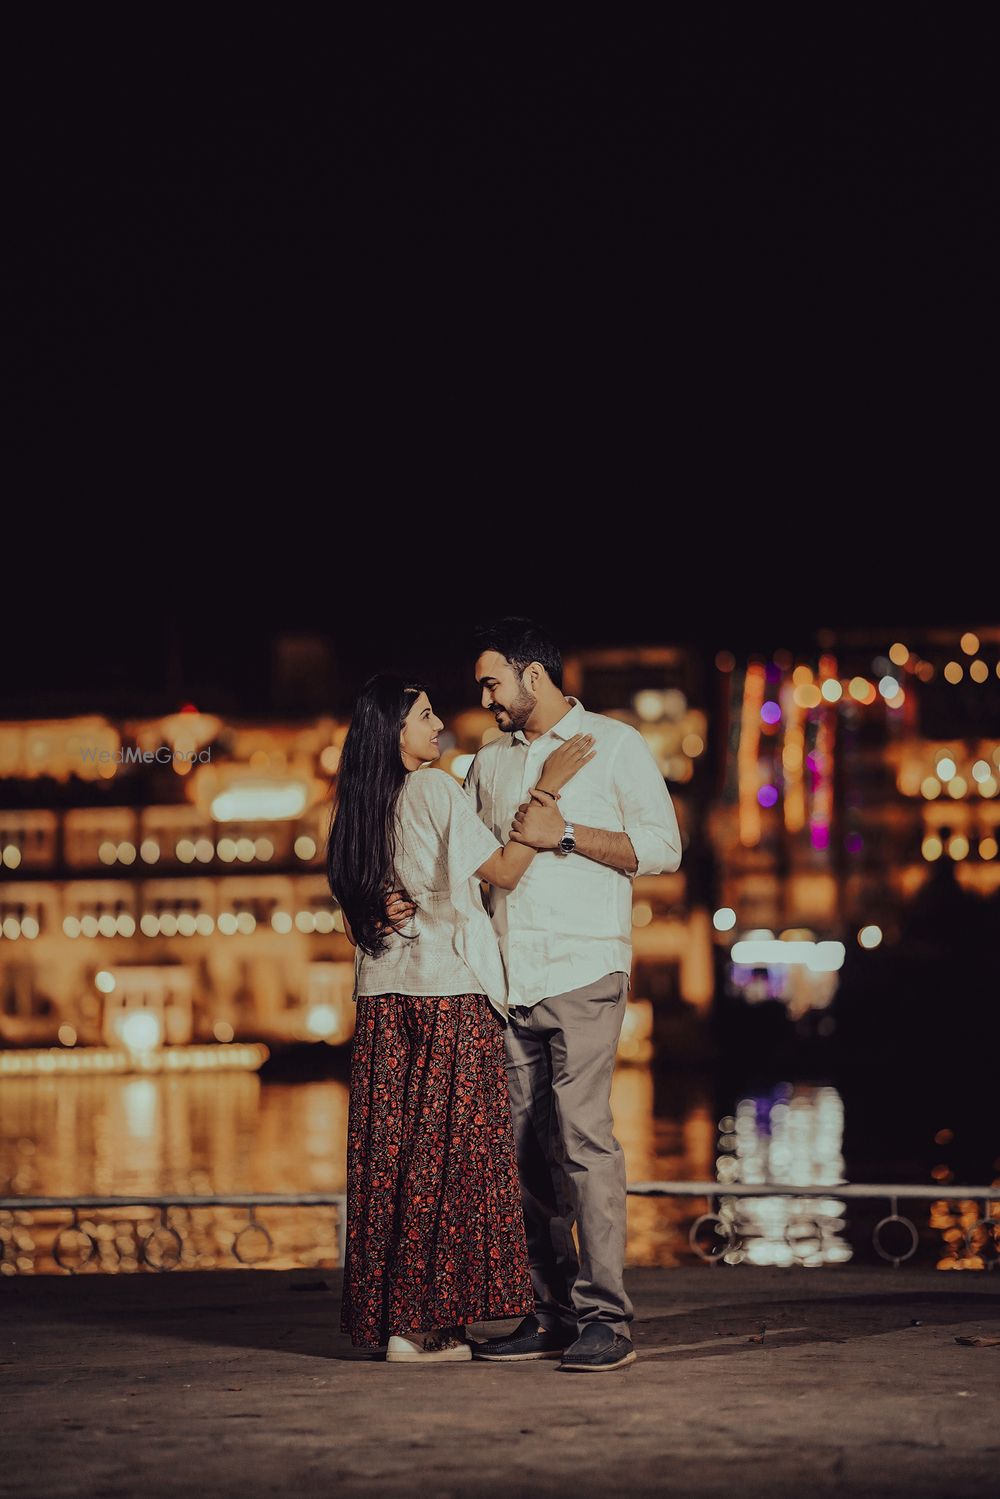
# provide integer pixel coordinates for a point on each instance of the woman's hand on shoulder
(563, 763)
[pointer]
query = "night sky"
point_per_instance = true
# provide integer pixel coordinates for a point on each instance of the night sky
(657, 327)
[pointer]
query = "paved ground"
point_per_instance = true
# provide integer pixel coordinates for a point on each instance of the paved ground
(237, 1383)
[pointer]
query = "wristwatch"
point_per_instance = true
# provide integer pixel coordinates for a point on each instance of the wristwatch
(567, 843)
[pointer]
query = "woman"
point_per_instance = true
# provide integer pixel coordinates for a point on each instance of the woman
(435, 1229)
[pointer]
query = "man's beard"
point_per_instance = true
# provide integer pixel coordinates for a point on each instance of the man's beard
(519, 712)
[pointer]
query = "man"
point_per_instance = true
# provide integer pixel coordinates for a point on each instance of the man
(565, 935)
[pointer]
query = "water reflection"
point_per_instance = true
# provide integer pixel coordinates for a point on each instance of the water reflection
(231, 1132)
(675, 1145)
(194, 1134)
(187, 1133)
(793, 1135)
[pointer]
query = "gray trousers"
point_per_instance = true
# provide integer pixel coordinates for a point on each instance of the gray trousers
(560, 1060)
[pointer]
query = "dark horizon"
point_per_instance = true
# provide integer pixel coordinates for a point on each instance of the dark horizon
(143, 659)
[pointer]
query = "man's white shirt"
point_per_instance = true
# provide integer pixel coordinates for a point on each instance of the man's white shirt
(569, 920)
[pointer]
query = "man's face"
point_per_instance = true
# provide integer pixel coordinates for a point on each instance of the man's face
(504, 693)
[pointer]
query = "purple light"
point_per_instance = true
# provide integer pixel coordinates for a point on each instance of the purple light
(767, 796)
(770, 712)
(855, 843)
(812, 762)
(820, 835)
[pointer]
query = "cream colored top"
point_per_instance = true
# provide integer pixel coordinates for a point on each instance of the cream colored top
(440, 843)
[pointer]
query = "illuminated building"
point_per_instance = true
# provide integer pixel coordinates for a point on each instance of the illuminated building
(163, 886)
(847, 773)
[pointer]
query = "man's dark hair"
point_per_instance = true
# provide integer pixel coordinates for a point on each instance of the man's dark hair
(520, 641)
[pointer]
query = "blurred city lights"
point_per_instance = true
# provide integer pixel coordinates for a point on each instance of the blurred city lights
(140, 1030)
(820, 957)
(648, 705)
(323, 1020)
(832, 777)
(807, 696)
(330, 759)
(259, 801)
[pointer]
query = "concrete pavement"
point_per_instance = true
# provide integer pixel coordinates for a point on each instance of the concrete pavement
(238, 1383)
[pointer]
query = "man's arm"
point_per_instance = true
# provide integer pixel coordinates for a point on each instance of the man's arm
(647, 811)
(606, 847)
(651, 841)
(540, 825)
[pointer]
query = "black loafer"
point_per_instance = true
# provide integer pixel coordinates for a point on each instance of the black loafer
(528, 1340)
(598, 1349)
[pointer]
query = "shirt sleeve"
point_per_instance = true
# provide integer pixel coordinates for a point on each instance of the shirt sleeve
(471, 784)
(647, 811)
(468, 842)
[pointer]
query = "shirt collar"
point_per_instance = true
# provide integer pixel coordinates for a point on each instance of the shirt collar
(571, 723)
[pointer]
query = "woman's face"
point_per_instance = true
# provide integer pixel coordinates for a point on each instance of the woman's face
(418, 738)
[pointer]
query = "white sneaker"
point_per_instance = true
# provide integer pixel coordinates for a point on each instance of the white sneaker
(440, 1347)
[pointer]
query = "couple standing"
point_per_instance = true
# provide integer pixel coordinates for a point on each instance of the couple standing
(479, 1125)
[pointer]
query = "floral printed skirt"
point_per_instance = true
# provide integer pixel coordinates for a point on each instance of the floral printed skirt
(435, 1227)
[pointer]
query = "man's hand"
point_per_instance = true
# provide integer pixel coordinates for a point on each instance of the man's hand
(398, 907)
(538, 824)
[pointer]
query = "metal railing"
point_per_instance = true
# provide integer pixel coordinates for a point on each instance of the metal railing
(161, 1247)
(148, 1252)
(977, 1231)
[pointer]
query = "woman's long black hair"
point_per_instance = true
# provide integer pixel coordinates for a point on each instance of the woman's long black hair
(362, 845)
